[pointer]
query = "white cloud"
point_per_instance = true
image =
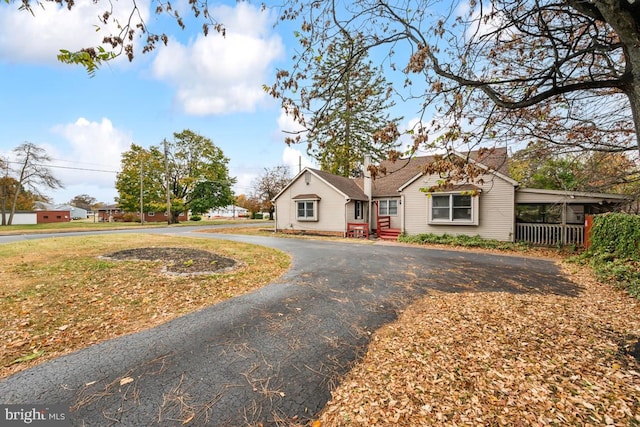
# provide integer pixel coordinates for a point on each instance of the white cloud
(479, 26)
(90, 158)
(296, 160)
(244, 182)
(38, 38)
(218, 75)
(286, 123)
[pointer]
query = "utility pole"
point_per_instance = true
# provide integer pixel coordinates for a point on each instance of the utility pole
(166, 174)
(141, 194)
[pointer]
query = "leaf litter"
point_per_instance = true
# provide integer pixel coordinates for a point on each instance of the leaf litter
(478, 359)
(73, 297)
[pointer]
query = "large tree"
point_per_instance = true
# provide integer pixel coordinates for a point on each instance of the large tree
(564, 72)
(539, 167)
(83, 201)
(267, 186)
(29, 176)
(26, 199)
(346, 106)
(198, 178)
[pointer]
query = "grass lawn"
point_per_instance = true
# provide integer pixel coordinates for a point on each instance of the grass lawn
(58, 295)
(90, 224)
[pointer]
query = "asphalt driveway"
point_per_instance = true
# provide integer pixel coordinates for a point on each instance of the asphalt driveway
(272, 356)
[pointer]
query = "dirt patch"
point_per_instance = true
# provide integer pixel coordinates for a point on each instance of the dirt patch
(182, 261)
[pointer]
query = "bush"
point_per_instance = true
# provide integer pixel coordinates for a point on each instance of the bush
(617, 234)
(614, 253)
(130, 217)
(461, 240)
(195, 218)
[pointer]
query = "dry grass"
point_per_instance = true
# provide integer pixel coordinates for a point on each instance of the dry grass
(58, 296)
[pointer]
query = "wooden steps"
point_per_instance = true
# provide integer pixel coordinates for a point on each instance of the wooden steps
(384, 230)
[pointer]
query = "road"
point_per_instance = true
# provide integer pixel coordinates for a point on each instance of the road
(271, 356)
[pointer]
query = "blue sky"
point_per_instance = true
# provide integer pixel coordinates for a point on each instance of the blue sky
(211, 85)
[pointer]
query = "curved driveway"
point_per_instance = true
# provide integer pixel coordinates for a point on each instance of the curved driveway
(271, 356)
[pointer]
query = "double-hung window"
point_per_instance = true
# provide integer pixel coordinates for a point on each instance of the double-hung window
(307, 210)
(452, 208)
(388, 207)
(359, 210)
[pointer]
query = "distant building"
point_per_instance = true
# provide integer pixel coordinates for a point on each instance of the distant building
(74, 212)
(113, 213)
(231, 211)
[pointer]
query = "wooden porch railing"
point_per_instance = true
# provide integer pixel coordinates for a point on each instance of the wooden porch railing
(550, 234)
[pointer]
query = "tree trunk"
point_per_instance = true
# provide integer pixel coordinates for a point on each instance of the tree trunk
(3, 203)
(27, 159)
(632, 54)
(627, 26)
(634, 100)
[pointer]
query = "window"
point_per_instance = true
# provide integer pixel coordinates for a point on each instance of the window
(388, 207)
(307, 210)
(453, 208)
(151, 214)
(359, 211)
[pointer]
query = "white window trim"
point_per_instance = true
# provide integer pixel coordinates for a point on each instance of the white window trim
(475, 208)
(315, 210)
(387, 203)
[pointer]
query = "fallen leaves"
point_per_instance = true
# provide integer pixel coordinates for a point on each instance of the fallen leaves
(499, 359)
(126, 380)
(58, 296)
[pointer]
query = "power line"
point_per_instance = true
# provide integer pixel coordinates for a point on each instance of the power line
(67, 167)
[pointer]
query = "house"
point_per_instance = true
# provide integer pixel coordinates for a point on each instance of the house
(113, 213)
(76, 212)
(109, 213)
(406, 200)
(231, 211)
(44, 213)
(48, 213)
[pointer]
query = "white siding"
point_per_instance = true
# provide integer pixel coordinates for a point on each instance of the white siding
(396, 220)
(331, 207)
(23, 218)
(496, 214)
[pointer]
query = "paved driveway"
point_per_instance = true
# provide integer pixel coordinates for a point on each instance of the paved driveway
(273, 355)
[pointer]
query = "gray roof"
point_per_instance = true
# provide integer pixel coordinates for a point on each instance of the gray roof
(401, 171)
(345, 185)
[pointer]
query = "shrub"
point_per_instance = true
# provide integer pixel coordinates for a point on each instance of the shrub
(461, 240)
(614, 253)
(195, 218)
(130, 217)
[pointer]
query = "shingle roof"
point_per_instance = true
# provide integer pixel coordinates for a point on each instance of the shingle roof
(403, 170)
(345, 185)
(398, 173)
(495, 159)
(307, 197)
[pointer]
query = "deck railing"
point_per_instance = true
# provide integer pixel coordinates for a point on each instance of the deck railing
(550, 234)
